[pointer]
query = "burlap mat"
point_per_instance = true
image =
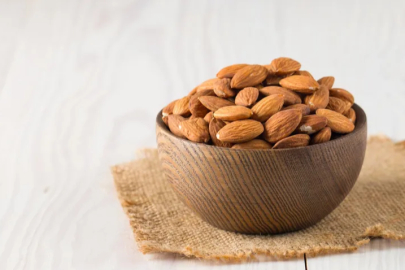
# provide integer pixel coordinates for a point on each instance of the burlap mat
(161, 223)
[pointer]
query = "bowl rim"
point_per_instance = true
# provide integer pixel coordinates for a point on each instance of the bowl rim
(359, 125)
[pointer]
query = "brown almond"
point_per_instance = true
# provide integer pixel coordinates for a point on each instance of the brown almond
(233, 113)
(196, 107)
(303, 107)
(351, 114)
(328, 81)
(240, 131)
(301, 84)
(319, 99)
(342, 94)
(249, 76)
(247, 97)
(322, 136)
(281, 125)
(196, 130)
(290, 97)
(285, 65)
(222, 88)
(207, 85)
(253, 144)
(338, 105)
(266, 107)
(311, 123)
(169, 108)
(336, 121)
(174, 121)
(214, 126)
(214, 103)
(303, 73)
(293, 141)
(273, 79)
(229, 71)
(208, 117)
(182, 106)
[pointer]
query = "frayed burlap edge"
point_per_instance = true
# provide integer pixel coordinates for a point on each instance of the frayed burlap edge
(147, 245)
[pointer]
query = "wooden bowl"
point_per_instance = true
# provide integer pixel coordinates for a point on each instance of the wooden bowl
(263, 191)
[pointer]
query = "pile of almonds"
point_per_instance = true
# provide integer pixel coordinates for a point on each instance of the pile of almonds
(260, 107)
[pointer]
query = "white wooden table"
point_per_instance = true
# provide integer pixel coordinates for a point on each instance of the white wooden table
(81, 82)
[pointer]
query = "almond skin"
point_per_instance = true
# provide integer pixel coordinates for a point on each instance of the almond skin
(207, 85)
(222, 88)
(303, 107)
(247, 97)
(311, 123)
(169, 108)
(233, 113)
(240, 131)
(351, 114)
(281, 125)
(215, 126)
(322, 136)
(253, 144)
(230, 71)
(196, 130)
(266, 107)
(208, 117)
(319, 99)
(342, 94)
(303, 73)
(214, 103)
(182, 106)
(174, 121)
(336, 121)
(165, 120)
(338, 105)
(327, 81)
(273, 79)
(293, 141)
(249, 76)
(290, 97)
(301, 84)
(196, 107)
(284, 65)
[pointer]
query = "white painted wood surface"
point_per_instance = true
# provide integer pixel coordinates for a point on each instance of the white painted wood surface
(81, 82)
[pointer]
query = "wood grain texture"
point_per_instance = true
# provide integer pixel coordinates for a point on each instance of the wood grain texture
(263, 191)
(75, 92)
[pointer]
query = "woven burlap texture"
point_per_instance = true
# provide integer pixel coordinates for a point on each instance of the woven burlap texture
(161, 223)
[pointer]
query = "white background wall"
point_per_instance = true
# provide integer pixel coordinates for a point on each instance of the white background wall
(82, 81)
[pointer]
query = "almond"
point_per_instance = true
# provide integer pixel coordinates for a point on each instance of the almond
(247, 97)
(322, 136)
(301, 84)
(290, 97)
(338, 105)
(342, 94)
(196, 107)
(298, 140)
(253, 144)
(266, 107)
(182, 106)
(273, 79)
(174, 121)
(165, 120)
(229, 71)
(319, 99)
(351, 114)
(303, 73)
(207, 85)
(328, 81)
(284, 65)
(208, 117)
(196, 130)
(281, 125)
(214, 126)
(336, 121)
(214, 103)
(233, 113)
(311, 123)
(222, 88)
(240, 131)
(304, 108)
(169, 108)
(249, 76)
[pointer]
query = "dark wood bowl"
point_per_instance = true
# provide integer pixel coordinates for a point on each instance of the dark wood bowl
(263, 191)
